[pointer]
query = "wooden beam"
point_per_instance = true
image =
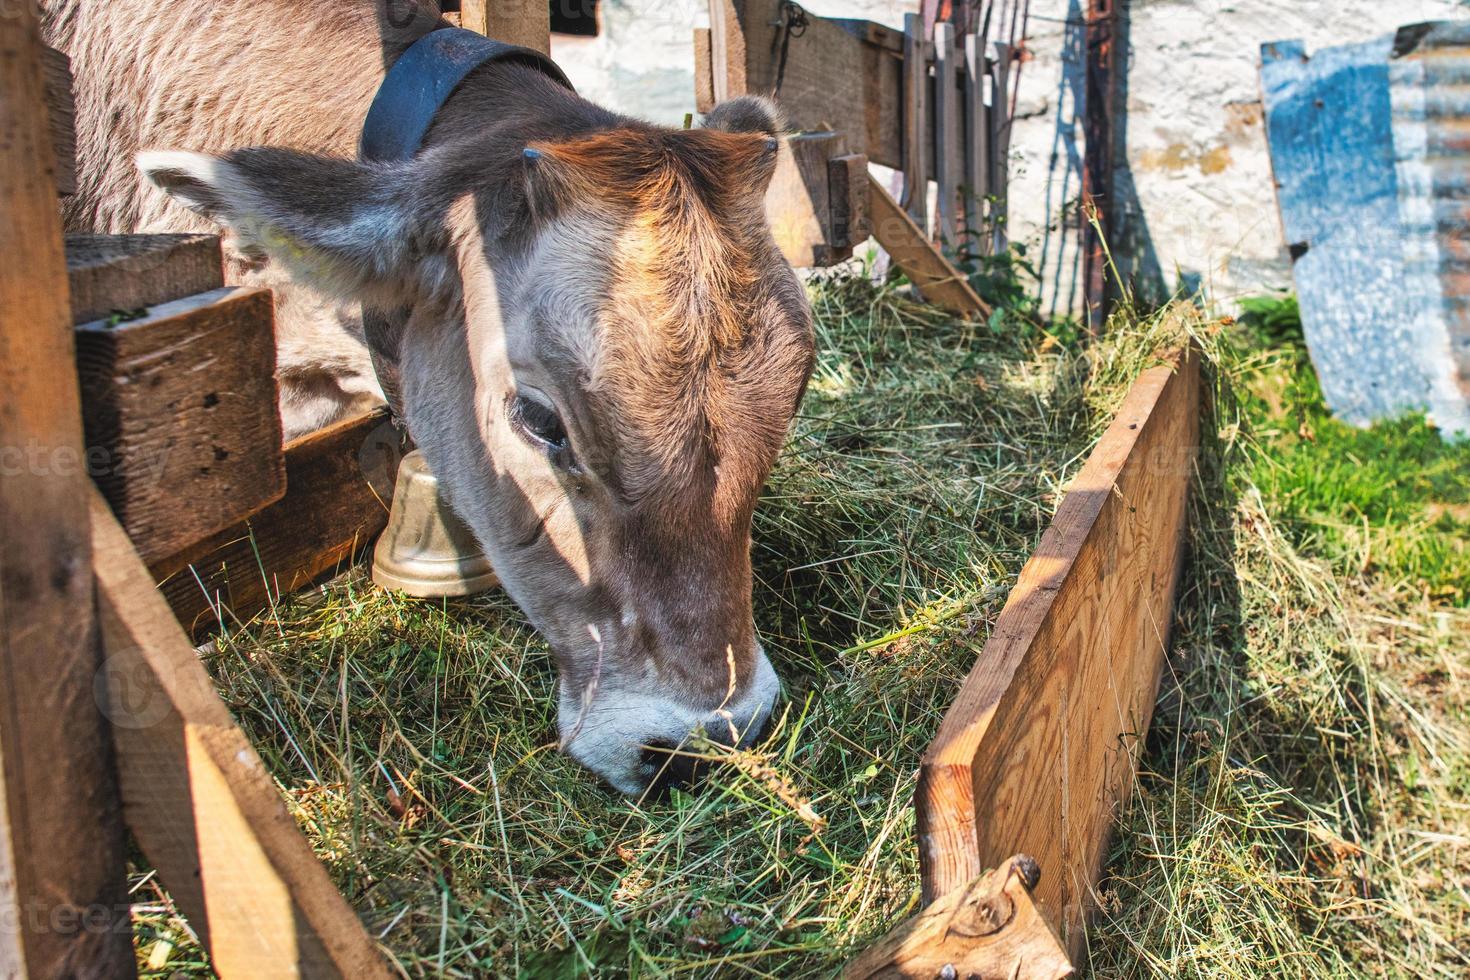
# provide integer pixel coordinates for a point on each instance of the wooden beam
(704, 70)
(200, 802)
(523, 22)
(183, 433)
(61, 114)
(62, 877)
(339, 483)
(1038, 748)
(803, 207)
(1000, 144)
(931, 273)
(987, 929)
(118, 273)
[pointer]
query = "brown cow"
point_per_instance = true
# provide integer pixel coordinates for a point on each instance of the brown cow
(603, 347)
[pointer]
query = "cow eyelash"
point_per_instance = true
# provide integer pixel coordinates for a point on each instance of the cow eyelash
(537, 423)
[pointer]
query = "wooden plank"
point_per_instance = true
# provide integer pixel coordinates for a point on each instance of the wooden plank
(729, 53)
(916, 121)
(927, 268)
(799, 201)
(113, 273)
(977, 145)
(704, 70)
(1000, 144)
(988, 929)
(61, 836)
(1038, 748)
(523, 22)
(200, 802)
(844, 76)
(949, 141)
(61, 112)
(847, 177)
(339, 482)
(183, 433)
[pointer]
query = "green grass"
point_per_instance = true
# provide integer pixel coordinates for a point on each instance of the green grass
(1394, 497)
(1302, 808)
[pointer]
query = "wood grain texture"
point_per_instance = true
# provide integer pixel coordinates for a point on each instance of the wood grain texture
(200, 802)
(183, 433)
(949, 137)
(61, 115)
(925, 265)
(1039, 745)
(339, 483)
(61, 834)
(704, 70)
(988, 929)
(852, 210)
(799, 201)
(112, 273)
(523, 22)
(977, 142)
(915, 121)
(844, 76)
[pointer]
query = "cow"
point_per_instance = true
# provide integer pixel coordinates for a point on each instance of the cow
(599, 346)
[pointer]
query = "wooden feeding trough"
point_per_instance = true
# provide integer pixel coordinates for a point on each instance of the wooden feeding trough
(101, 681)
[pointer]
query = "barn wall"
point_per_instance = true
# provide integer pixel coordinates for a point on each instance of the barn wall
(1194, 187)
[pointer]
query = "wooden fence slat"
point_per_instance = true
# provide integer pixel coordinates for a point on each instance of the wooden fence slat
(61, 838)
(339, 483)
(61, 113)
(199, 800)
(523, 22)
(913, 252)
(949, 138)
(1038, 747)
(1000, 143)
(916, 121)
(977, 138)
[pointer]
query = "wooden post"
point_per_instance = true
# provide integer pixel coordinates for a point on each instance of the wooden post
(915, 121)
(977, 144)
(1097, 169)
(1000, 143)
(523, 22)
(61, 841)
(727, 50)
(948, 137)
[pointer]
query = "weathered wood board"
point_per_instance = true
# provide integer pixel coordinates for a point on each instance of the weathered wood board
(844, 76)
(911, 250)
(63, 890)
(339, 483)
(61, 116)
(120, 273)
(1038, 748)
(523, 22)
(199, 800)
(183, 433)
(813, 218)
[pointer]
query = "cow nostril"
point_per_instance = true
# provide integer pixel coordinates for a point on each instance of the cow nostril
(671, 767)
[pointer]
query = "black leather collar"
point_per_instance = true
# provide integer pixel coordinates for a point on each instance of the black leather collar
(421, 81)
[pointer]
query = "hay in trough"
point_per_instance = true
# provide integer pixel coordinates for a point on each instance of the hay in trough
(1302, 810)
(416, 740)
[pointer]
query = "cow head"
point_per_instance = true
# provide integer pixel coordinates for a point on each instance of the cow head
(602, 350)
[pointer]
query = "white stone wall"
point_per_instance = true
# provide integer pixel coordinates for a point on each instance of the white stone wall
(1195, 188)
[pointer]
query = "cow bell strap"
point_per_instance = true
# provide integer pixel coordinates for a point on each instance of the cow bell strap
(414, 90)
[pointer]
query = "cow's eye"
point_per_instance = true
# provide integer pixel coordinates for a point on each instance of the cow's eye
(537, 423)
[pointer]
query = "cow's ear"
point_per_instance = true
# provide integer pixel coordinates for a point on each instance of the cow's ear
(747, 114)
(351, 229)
